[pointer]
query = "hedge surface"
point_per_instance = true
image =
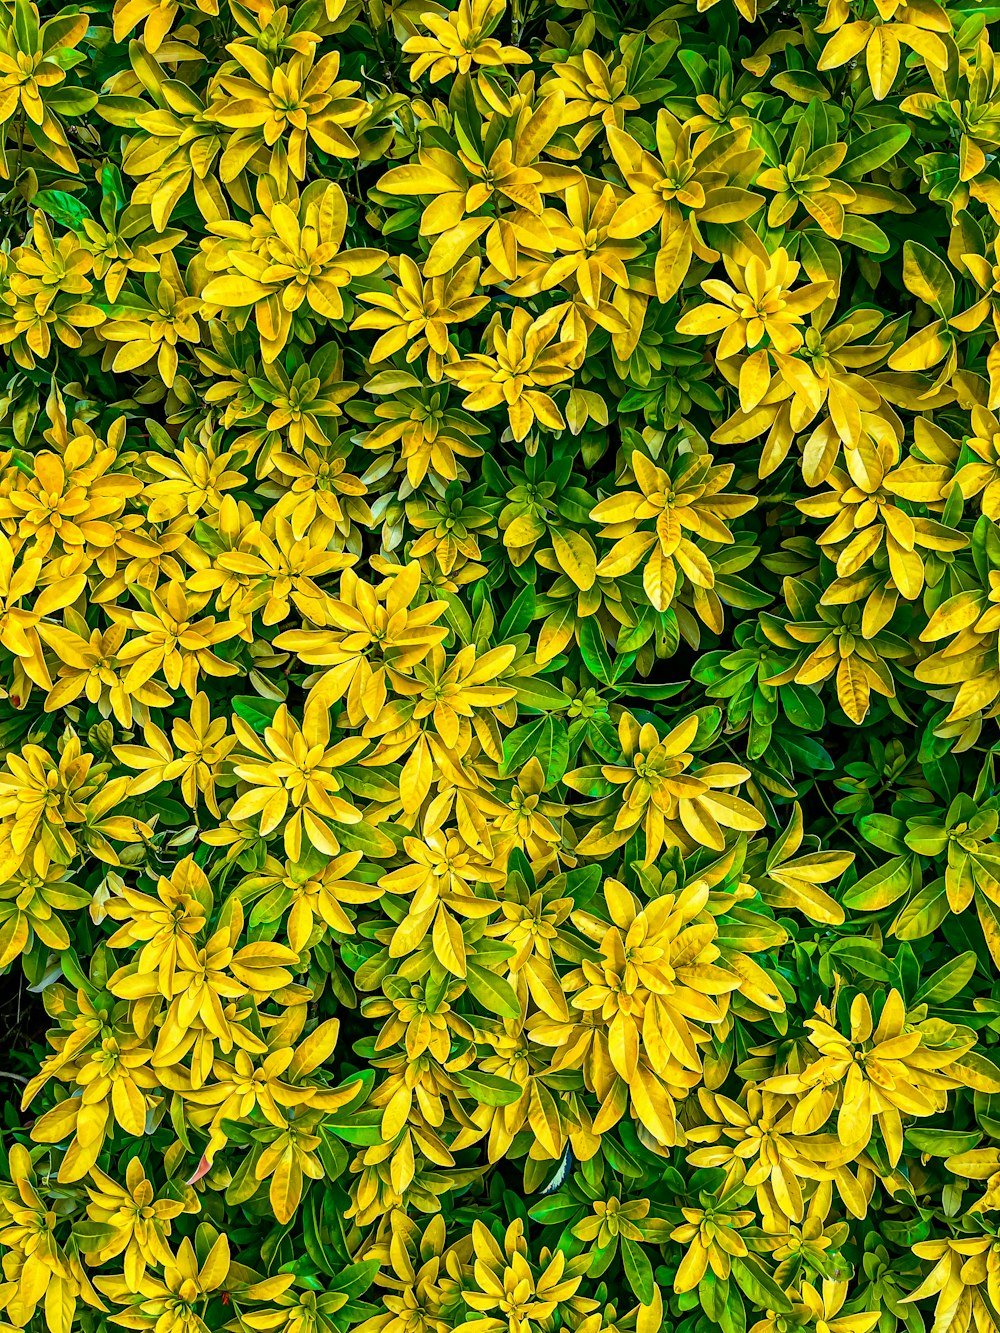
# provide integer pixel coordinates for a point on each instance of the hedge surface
(500, 658)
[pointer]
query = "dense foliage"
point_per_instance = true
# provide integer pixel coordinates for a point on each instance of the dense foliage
(500, 664)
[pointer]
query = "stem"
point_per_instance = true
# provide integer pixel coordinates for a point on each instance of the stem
(383, 59)
(520, 22)
(20, 144)
(841, 822)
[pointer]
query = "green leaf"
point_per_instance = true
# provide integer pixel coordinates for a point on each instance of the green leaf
(928, 277)
(654, 693)
(92, 1235)
(492, 992)
(62, 207)
(865, 234)
(356, 1278)
(977, 1072)
(863, 956)
(638, 1270)
(520, 614)
(594, 651)
(803, 707)
(170, 813)
(535, 692)
(546, 740)
(884, 832)
(112, 186)
(557, 1210)
(942, 1142)
(362, 1128)
(489, 1088)
(880, 887)
(870, 151)
(948, 981)
(467, 121)
(255, 711)
(985, 547)
(923, 913)
(709, 725)
(754, 1281)
(70, 101)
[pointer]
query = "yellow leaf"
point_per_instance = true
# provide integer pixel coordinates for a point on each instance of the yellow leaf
(60, 1305)
(315, 1050)
(449, 248)
(576, 556)
(286, 1188)
(853, 689)
(235, 290)
(626, 554)
(845, 44)
(416, 777)
(755, 380)
(659, 578)
(882, 57)
(449, 943)
(543, 1117)
(673, 260)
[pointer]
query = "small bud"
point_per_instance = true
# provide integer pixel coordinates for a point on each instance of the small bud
(101, 737)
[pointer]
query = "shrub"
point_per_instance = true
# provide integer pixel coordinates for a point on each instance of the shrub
(500, 665)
